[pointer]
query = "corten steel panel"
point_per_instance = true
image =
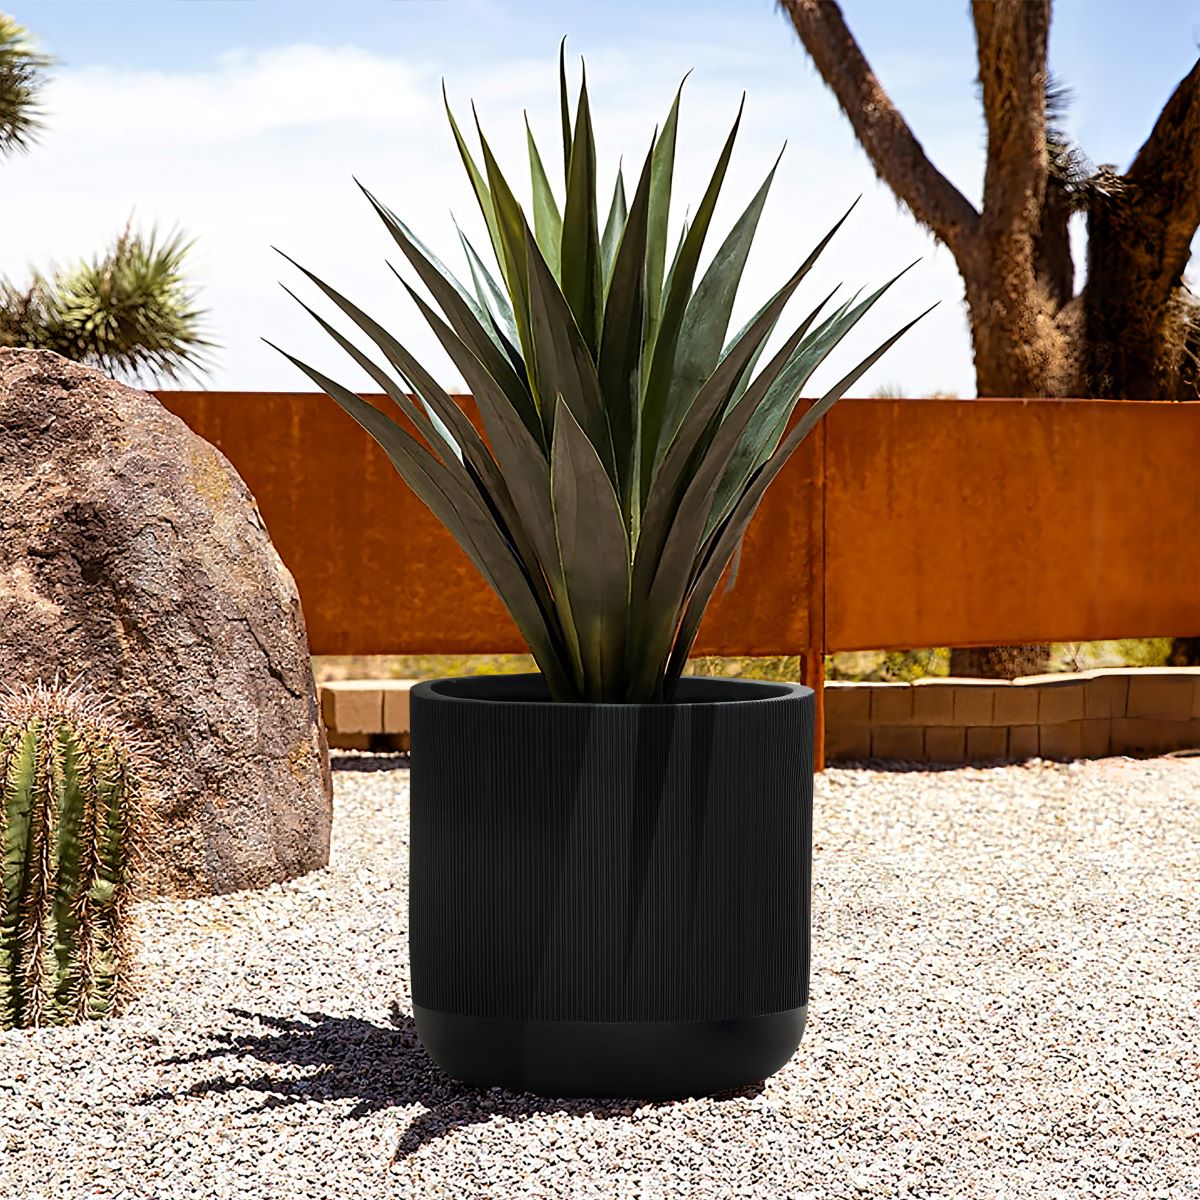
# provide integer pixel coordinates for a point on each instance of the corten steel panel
(971, 522)
(378, 574)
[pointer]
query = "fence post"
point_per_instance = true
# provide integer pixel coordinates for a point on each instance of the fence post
(814, 657)
(812, 674)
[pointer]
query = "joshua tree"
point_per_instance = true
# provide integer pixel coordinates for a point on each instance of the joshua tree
(22, 70)
(129, 310)
(1132, 332)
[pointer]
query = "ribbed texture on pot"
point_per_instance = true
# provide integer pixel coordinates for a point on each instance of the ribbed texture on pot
(610, 862)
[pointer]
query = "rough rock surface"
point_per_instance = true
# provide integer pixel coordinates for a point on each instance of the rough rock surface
(133, 559)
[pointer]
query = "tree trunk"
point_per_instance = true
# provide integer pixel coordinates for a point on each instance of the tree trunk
(1015, 353)
(1185, 652)
(1019, 350)
(1134, 332)
(1123, 350)
(1052, 257)
(1135, 342)
(1140, 230)
(998, 662)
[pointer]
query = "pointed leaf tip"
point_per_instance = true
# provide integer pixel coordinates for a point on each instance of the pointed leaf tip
(288, 258)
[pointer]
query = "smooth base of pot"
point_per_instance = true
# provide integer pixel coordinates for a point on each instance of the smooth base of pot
(610, 1059)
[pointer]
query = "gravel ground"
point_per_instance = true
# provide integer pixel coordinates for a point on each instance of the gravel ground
(1005, 1003)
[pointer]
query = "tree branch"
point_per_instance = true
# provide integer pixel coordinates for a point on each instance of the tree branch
(1165, 183)
(1053, 263)
(1011, 37)
(895, 153)
(1140, 227)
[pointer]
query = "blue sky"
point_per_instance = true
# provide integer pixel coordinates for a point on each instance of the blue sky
(242, 120)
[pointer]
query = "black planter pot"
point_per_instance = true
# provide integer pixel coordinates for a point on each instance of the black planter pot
(607, 899)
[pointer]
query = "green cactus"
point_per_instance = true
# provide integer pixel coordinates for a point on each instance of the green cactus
(72, 808)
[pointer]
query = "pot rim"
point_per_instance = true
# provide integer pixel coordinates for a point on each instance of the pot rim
(769, 692)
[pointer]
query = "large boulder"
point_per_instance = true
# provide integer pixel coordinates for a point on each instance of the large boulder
(133, 559)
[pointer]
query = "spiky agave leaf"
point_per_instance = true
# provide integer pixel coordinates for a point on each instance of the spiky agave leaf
(492, 299)
(706, 318)
(628, 443)
(614, 225)
(620, 361)
(547, 220)
(581, 276)
(720, 544)
(656, 416)
(661, 180)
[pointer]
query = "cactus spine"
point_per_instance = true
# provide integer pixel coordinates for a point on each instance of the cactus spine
(72, 786)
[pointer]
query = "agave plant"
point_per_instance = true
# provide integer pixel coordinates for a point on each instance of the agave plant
(628, 444)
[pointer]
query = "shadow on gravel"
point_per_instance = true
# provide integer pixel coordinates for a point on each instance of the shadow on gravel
(378, 1067)
(901, 766)
(364, 760)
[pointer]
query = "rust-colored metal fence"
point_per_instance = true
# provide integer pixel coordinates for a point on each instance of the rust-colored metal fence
(899, 523)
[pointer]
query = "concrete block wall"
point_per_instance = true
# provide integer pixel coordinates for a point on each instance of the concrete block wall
(1135, 711)
(1087, 715)
(366, 714)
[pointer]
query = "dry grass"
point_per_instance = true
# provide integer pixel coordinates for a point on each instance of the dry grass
(867, 665)
(418, 666)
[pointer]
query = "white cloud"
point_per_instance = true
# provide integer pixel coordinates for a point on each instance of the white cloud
(244, 96)
(260, 148)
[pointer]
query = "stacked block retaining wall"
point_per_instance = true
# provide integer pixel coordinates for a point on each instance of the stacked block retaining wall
(1136, 711)
(1089, 715)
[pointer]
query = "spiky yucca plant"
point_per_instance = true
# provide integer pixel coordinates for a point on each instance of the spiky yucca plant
(22, 78)
(72, 785)
(628, 444)
(129, 311)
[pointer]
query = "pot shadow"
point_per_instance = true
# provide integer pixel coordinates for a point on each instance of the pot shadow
(378, 1067)
(903, 766)
(361, 760)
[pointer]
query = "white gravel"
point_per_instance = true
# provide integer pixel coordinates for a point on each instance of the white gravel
(1005, 1003)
